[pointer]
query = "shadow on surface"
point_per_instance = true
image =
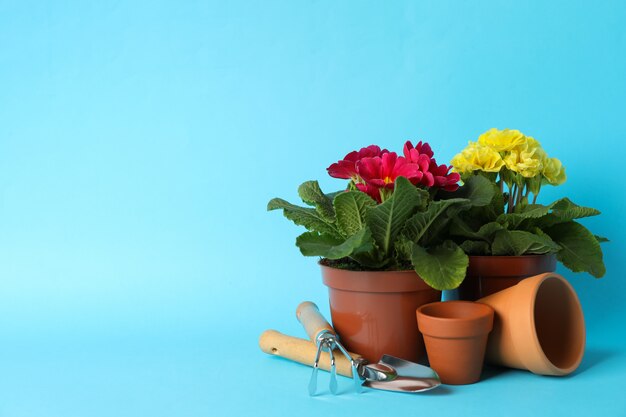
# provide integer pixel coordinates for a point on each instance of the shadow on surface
(440, 390)
(592, 358)
(492, 371)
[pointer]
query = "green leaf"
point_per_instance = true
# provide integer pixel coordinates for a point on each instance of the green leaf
(350, 208)
(532, 210)
(311, 193)
(487, 230)
(316, 244)
(421, 221)
(567, 208)
(461, 228)
(474, 247)
(387, 219)
(477, 188)
(371, 258)
(529, 211)
(601, 239)
(486, 213)
(304, 216)
(580, 250)
(518, 242)
(442, 267)
(564, 210)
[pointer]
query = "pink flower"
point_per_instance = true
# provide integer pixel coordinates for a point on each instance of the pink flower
(383, 171)
(419, 149)
(370, 190)
(443, 178)
(414, 156)
(374, 171)
(346, 168)
(434, 175)
(380, 172)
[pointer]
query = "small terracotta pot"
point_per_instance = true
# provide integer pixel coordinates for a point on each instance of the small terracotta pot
(487, 275)
(455, 333)
(538, 326)
(374, 312)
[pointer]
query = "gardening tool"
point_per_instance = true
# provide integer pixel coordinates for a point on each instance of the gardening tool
(389, 374)
(385, 371)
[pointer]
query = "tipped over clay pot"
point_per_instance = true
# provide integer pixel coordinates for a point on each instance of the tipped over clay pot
(374, 311)
(455, 334)
(538, 326)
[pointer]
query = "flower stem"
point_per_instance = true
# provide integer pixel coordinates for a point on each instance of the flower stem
(535, 197)
(512, 192)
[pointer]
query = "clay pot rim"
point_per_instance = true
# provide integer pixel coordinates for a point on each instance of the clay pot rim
(482, 310)
(373, 281)
(513, 256)
(557, 370)
(478, 323)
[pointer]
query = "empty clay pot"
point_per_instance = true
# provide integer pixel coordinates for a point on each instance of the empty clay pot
(374, 311)
(455, 333)
(538, 326)
(487, 275)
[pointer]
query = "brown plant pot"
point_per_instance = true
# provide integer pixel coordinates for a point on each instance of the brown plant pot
(374, 311)
(455, 333)
(538, 326)
(487, 275)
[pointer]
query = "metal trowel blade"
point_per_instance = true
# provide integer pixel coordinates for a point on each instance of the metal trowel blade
(412, 377)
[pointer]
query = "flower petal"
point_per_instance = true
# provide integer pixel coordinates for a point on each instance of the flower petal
(369, 168)
(342, 169)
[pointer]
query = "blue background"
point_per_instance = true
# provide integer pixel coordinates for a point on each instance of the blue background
(141, 141)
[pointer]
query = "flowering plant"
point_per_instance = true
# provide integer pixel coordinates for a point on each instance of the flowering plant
(390, 215)
(517, 166)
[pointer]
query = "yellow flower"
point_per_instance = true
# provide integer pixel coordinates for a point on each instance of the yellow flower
(476, 157)
(526, 158)
(554, 171)
(528, 163)
(502, 140)
(532, 145)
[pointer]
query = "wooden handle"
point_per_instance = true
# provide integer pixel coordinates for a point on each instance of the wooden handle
(302, 351)
(309, 315)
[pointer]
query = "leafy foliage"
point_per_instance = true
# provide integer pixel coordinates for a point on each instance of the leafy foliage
(311, 193)
(316, 244)
(580, 249)
(388, 219)
(519, 242)
(350, 208)
(529, 229)
(303, 216)
(435, 236)
(401, 231)
(441, 267)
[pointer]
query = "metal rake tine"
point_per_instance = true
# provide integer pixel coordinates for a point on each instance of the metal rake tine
(333, 372)
(355, 377)
(316, 363)
(355, 374)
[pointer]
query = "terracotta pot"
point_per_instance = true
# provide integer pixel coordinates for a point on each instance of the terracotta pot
(374, 312)
(455, 333)
(487, 275)
(538, 326)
